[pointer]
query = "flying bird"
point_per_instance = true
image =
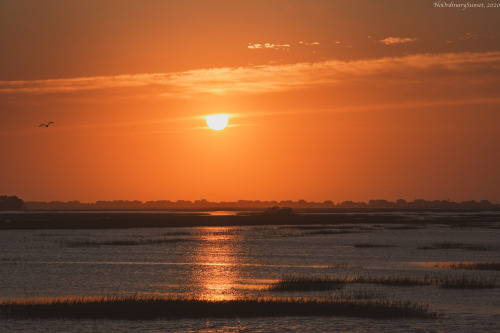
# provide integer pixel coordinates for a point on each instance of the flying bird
(46, 125)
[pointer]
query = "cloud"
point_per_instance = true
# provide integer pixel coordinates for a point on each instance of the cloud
(271, 46)
(252, 46)
(397, 40)
(309, 44)
(82, 83)
(445, 69)
(469, 35)
(470, 67)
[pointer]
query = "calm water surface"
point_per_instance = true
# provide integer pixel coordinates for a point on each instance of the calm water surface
(231, 262)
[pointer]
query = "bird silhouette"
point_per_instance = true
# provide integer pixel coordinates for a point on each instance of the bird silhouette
(46, 125)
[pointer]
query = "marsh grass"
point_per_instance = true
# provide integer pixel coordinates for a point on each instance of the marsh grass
(49, 234)
(469, 224)
(404, 227)
(334, 232)
(344, 266)
(462, 282)
(305, 227)
(305, 283)
(357, 227)
(311, 283)
(483, 266)
(352, 228)
(457, 246)
(360, 294)
(120, 242)
(370, 245)
(177, 233)
(343, 229)
(307, 230)
(9, 260)
(144, 308)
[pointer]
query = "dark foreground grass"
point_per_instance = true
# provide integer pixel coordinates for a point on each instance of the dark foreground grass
(143, 308)
(308, 283)
(482, 266)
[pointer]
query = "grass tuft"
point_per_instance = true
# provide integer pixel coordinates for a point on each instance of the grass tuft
(305, 283)
(334, 232)
(370, 245)
(308, 283)
(483, 266)
(403, 227)
(456, 246)
(344, 266)
(463, 282)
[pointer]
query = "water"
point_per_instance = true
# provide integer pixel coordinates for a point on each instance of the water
(230, 262)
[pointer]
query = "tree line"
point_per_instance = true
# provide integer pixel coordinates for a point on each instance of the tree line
(11, 203)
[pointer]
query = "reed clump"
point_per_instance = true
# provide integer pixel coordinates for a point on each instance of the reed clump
(447, 282)
(149, 308)
(305, 283)
(328, 229)
(456, 246)
(370, 245)
(404, 227)
(483, 266)
(334, 232)
(311, 283)
(344, 266)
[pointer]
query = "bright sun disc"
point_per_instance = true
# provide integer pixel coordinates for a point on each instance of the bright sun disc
(217, 121)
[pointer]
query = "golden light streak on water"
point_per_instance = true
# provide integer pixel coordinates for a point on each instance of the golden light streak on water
(220, 268)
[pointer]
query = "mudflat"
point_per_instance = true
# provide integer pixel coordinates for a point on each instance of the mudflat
(153, 219)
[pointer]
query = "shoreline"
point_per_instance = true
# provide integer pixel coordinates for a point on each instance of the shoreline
(156, 219)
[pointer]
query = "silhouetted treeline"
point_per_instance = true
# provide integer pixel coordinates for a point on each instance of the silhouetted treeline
(257, 205)
(11, 203)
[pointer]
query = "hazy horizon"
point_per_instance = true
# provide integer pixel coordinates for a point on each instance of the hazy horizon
(243, 201)
(326, 99)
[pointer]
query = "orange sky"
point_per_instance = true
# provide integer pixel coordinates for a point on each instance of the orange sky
(329, 100)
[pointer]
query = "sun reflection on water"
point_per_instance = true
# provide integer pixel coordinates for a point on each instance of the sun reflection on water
(218, 255)
(222, 213)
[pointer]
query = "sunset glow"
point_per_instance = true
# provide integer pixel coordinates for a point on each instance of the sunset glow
(334, 101)
(249, 165)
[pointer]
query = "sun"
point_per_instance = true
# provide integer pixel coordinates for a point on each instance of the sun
(217, 121)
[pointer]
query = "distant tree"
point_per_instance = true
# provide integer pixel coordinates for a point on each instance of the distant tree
(11, 203)
(277, 211)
